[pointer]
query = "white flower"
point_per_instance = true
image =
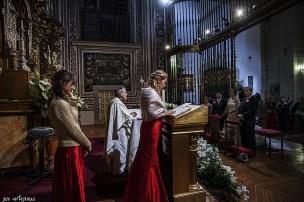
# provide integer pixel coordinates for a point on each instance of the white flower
(245, 193)
(239, 190)
(208, 158)
(43, 94)
(44, 82)
(40, 92)
(40, 85)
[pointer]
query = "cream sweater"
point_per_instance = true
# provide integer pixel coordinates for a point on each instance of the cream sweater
(64, 118)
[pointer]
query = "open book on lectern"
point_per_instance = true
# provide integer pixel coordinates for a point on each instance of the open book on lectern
(178, 110)
(189, 114)
(181, 109)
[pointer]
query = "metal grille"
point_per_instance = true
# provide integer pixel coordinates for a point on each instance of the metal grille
(200, 53)
(185, 78)
(218, 67)
(103, 20)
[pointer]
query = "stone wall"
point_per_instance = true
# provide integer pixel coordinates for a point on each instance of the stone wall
(282, 46)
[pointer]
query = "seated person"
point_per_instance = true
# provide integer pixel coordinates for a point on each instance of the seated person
(119, 131)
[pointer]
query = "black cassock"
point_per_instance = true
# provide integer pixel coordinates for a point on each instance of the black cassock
(248, 110)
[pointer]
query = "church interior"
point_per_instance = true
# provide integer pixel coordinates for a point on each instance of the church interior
(207, 48)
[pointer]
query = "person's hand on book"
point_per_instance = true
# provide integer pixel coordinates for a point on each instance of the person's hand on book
(170, 112)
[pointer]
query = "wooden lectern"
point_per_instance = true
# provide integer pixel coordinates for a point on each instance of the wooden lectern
(178, 154)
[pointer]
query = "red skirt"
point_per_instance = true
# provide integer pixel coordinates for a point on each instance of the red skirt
(69, 175)
(145, 182)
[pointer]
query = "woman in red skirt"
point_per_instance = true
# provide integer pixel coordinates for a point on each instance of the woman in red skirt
(145, 182)
(69, 168)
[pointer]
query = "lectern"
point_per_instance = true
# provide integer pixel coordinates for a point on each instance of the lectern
(178, 153)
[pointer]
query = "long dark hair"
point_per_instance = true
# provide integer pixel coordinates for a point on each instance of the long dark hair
(59, 80)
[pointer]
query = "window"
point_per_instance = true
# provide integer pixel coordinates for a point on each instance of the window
(250, 82)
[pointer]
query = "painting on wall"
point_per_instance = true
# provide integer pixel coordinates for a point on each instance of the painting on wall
(106, 69)
(188, 82)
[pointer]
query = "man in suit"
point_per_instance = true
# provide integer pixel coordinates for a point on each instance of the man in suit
(219, 108)
(247, 113)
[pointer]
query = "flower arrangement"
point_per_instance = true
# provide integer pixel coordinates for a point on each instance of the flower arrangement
(214, 173)
(41, 93)
(169, 106)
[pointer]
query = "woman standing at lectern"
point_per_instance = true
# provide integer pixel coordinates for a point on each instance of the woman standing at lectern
(145, 180)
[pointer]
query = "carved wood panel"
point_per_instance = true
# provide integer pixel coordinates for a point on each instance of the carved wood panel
(11, 26)
(101, 111)
(106, 69)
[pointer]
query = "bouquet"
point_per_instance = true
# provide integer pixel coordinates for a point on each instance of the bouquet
(169, 106)
(80, 102)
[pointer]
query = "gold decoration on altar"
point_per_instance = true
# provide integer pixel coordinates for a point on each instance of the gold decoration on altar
(104, 98)
(47, 34)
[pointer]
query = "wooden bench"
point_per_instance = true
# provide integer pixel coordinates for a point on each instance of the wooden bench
(270, 134)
